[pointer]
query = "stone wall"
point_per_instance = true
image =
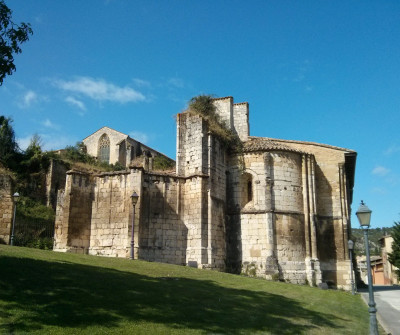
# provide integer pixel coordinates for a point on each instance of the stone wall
(6, 208)
(224, 108)
(278, 210)
(216, 203)
(92, 143)
(55, 180)
(191, 140)
(123, 149)
(111, 219)
(241, 120)
(266, 212)
(235, 116)
(73, 214)
(163, 236)
(332, 210)
(201, 160)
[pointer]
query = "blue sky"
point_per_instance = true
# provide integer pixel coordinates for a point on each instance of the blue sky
(321, 71)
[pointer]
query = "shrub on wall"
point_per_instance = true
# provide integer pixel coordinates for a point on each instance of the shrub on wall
(203, 105)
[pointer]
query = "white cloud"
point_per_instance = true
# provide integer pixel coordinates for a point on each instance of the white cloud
(139, 136)
(28, 99)
(100, 90)
(380, 171)
(75, 102)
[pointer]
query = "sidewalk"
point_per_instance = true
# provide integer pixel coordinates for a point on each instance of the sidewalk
(387, 299)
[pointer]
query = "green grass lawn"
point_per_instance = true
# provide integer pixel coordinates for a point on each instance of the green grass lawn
(44, 292)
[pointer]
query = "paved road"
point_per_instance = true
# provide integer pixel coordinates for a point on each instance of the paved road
(387, 299)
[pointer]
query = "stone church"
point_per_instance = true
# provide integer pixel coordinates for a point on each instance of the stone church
(112, 147)
(280, 209)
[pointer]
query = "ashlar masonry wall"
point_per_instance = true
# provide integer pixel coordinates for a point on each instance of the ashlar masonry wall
(268, 233)
(73, 214)
(112, 210)
(201, 161)
(163, 234)
(279, 209)
(332, 210)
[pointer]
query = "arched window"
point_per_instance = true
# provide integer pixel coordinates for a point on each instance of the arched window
(104, 149)
(247, 193)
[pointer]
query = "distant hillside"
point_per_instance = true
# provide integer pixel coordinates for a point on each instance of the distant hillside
(374, 235)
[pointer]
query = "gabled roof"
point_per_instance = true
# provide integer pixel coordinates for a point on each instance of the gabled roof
(105, 127)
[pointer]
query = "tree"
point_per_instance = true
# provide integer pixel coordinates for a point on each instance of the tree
(394, 256)
(11, 37)
(8, 145)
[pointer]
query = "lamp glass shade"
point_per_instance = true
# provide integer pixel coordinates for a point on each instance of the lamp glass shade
(364, 215)
(350, 244)
(134, 198)
(16, 196)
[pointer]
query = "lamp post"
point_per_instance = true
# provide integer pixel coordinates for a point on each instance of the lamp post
(15, 197)
(351, 246)
(134, 199)
(364, 217)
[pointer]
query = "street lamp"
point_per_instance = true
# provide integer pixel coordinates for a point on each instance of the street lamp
(364, 217)
(15, 197)
(351, 246)
(134, 199)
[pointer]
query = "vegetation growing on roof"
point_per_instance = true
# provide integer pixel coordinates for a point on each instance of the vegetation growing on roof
(203, 105)
(162, 163)
(76, 157)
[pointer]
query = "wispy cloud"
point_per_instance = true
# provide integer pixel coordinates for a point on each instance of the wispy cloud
(392, 150)
(139, 136)
(75, 102)
(100, 90)
(141, 82)
(176, 82)
(48, 124)
(380, 171)
(302, 71)
(379, 190)
(28, 99)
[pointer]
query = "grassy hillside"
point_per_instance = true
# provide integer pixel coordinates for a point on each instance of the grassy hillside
(44, 292)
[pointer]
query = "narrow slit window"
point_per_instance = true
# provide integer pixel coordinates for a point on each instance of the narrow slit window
(249, 191)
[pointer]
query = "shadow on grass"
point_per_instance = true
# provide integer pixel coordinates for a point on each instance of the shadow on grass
(36, 294)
